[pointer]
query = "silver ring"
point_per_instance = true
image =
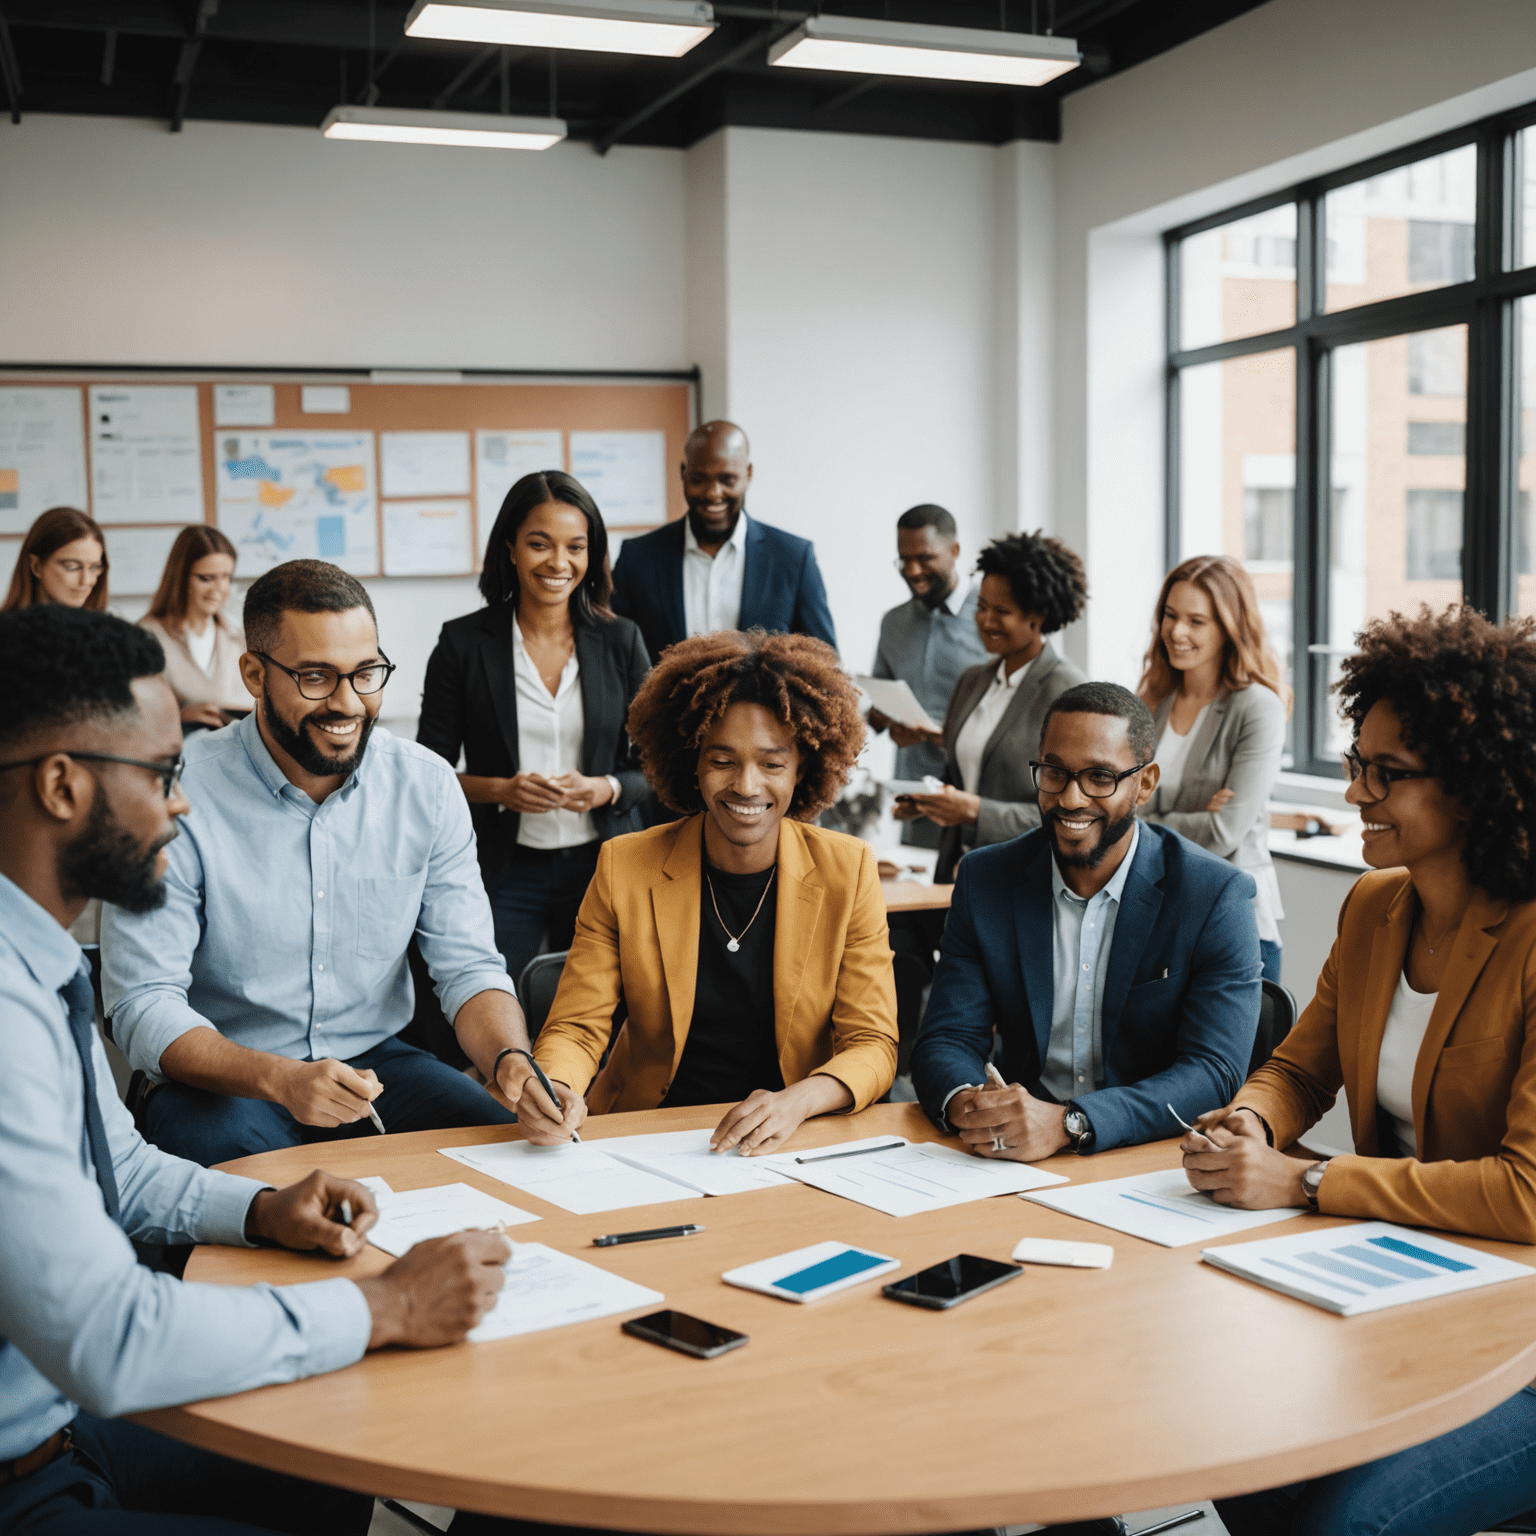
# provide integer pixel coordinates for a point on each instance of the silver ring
(999, 1145)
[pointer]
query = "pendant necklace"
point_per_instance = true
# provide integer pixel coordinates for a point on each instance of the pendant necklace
(736, 938)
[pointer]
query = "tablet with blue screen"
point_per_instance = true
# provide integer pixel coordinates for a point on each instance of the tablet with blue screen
(808, 1274)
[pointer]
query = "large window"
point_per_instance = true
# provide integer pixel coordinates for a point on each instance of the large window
(1352, 399)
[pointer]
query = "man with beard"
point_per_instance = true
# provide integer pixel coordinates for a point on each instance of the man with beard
(263, 1000)
(90, 744)
(1118, 961)
(717, 568)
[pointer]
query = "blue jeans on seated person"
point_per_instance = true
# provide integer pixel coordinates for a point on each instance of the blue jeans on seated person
(421, 1093)
(1269, 960)
(539, 894)
(1459, 1483)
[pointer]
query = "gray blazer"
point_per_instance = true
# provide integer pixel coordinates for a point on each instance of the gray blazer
(1007, 790)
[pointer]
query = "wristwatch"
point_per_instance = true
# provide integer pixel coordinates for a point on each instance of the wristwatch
(1079, 1130)
(1312, 1181)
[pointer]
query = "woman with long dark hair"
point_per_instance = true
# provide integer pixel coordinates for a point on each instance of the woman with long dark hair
(63, 560)
(535, 688)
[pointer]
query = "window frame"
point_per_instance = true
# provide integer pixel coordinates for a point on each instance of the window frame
(1486, 305)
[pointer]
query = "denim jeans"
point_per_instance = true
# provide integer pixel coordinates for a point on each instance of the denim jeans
(1462, 1482)
(540, 892)
(421, 1093)
(1269, 957)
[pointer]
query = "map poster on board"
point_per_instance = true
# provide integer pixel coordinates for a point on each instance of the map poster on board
(503, 458)
(42, 454)
(298, 496)
(626, 473)
(146, 454)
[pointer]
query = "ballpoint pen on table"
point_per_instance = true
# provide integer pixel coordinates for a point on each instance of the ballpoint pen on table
(827, 1157)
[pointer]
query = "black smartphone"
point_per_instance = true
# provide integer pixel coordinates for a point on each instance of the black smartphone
(953, 1281)
(691, 1335)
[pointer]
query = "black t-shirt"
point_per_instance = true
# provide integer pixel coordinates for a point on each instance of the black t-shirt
(731, 1048)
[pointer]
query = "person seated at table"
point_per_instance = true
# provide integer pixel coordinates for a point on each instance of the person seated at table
(264, 997)
(1425, 1015)
(1118, 961)
(63, 560)
(748, 943)
(90, 737)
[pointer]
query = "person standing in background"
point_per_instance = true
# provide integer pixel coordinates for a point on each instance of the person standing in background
(202, 647)
(926, 642)
(63, 560)
(717, 568)
(1212, 680)
(535, 689)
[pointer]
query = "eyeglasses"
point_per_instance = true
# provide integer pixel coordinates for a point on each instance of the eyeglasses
(1096, 783)
(169, 770)
(75, 567)
(1379, 779)
(322, 682)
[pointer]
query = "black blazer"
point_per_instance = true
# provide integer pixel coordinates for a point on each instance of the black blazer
(469, 700)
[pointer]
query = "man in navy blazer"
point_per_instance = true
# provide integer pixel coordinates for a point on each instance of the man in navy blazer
(1118, 961)
(717, 568)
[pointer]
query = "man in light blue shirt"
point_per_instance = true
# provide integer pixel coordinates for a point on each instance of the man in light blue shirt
(89, 742)
(263, 999)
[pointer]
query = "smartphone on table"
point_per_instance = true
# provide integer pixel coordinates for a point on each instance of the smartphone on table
(689, 1335)
(945, 1285)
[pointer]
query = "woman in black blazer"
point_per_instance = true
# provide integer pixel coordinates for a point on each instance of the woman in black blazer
(535, 689)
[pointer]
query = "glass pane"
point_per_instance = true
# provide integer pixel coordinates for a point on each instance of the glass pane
(1403, 231)
(1239, 279)
(1525, 474)
(1237, 474)
(1525, 198)
(1399, 470)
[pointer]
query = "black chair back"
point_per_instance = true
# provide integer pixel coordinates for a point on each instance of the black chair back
(536, 988)
(1277, 1017)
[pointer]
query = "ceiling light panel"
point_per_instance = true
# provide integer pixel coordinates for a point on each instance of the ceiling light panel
(662, 28)
(474, 130)
(856, 46)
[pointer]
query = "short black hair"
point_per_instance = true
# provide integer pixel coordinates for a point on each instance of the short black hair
(1044, 575)
(928, 515)
(1110, 699)
(299, 586)
(62, 665)
(498, 577)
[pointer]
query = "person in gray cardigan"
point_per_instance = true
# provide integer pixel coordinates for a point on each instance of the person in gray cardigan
(1031, 587)
(1213, 683)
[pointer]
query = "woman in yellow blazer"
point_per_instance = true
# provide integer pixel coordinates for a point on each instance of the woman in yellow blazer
(749, 945)
(1425, 1015)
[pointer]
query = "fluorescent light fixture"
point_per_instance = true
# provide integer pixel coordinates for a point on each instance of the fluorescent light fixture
(476, 130)
(667, 28)
(861, 47)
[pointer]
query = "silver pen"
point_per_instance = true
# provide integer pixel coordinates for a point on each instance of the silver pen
(378, 1124)
(1188, 1127)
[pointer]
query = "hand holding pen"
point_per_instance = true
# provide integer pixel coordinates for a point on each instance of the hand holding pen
(548, 1113)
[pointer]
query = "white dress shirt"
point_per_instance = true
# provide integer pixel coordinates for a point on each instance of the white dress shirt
(549, 740)
(201, 645)
(712, 584)
(1407, 1019)
(983, 720)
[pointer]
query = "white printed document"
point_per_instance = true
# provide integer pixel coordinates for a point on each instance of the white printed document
(548, 1289)
(1364, 1267)
(896, 701)
(1160, 1207)
(914, 1177)
(685, 1157)
(411, 1216)
(581, 1178)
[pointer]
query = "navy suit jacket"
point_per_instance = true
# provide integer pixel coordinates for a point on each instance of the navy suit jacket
(1181, 994)
(781, 585)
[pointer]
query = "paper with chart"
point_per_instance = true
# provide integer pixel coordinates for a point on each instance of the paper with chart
(916, 1177)
(581, 1178)
(1365, 1267)
(428, 538)
(626, 472)
(896, 701)
(146, 454)
(548, 1289)
(298, 495)
(411, 1216)
(42, 453)
(424, 463)
(503, 458)
(685, 1157)
(1160, 1207)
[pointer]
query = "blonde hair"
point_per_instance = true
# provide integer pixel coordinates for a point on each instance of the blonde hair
(1247, 657)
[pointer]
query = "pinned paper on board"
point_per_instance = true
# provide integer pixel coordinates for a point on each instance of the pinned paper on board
(244, 405)
(626, 473)
(325, 399)
(42, 454)
(428, 538)
(503, 458)
(146, 454)
(138, 557)
(424, 463)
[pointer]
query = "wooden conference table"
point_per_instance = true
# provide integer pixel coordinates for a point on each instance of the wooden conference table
(913, 896)
(1062, 1395)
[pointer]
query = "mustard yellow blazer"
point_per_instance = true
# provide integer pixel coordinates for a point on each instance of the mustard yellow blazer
(1474, 1088)
(637, 937)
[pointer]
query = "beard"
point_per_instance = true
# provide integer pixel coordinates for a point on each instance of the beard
(932, 596)
(1113, 833)
(106, 862)
(707, 535)
(305, 751)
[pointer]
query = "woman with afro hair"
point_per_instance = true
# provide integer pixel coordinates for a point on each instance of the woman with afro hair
(1425, 1015)
(748, 944)
(1031, 586)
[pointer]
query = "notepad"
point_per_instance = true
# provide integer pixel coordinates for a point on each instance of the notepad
(411, 1216)
(1364, 1267)
(548, 1289)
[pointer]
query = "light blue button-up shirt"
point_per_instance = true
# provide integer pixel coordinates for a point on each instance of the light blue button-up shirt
(1083, 933)
(81, 1321)
(286, 923)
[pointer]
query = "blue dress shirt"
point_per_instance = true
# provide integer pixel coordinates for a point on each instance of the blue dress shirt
(286, 923)
(81, 1321)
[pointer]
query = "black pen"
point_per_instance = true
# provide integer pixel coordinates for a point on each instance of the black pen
(614, 1238)
(827, 1157)
(545, 1084)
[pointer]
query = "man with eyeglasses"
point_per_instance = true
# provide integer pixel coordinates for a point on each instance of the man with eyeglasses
(1117, 961)
(263, 1000)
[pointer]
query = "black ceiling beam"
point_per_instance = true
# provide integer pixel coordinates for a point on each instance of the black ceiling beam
(10, 71)
(108, 56)
(476, 64)
(309, 23)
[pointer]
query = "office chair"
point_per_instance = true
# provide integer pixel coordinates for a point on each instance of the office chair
(429, 1029)
(1520, 1525)
(1277, 1017)
(536, 988)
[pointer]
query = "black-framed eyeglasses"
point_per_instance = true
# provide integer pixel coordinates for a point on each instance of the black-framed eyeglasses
(1379, 779)
(322, 682)
(1096, 783)
(169, 770)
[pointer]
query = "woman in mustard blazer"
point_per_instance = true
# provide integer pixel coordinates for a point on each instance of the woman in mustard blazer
(1425, 1015)
(748, 944)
